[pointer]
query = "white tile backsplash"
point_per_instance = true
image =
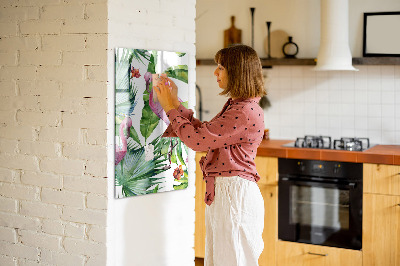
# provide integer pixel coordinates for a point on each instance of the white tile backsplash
(364, 103)
(388, 97)
(388, 111)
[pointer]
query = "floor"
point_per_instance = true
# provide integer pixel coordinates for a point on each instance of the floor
(198, 261)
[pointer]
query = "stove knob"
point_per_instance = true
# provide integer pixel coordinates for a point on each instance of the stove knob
(301, 166)
(336, 169)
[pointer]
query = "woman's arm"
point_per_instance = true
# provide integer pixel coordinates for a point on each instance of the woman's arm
(230, 128)
(225, 130)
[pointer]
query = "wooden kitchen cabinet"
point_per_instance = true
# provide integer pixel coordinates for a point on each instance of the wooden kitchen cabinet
(381, 230)
(200, 207)
(270, 233)
(298, 254)
(267, 168)
(381, 179)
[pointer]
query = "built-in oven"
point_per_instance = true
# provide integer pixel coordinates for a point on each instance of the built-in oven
(320, 202)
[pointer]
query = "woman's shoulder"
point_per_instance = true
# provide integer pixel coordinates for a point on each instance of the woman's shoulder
(248, 104)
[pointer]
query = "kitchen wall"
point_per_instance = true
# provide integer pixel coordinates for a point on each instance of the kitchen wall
(53, 111)
(340, 104)
(156, 229)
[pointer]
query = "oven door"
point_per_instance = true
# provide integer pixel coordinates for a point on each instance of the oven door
(320, 212)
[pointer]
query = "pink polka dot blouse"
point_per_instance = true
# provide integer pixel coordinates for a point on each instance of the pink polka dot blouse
(231, 139)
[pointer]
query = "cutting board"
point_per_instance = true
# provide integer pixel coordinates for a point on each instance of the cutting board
(232, 35)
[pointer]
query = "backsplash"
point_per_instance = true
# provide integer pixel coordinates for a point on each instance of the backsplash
(337, 104)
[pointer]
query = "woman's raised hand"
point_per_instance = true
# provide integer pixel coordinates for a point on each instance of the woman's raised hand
(174, 92)
(165, 95)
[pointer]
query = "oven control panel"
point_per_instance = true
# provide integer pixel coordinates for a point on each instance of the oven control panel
(330, 169)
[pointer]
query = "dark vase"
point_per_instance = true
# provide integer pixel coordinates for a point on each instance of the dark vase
(290, 49)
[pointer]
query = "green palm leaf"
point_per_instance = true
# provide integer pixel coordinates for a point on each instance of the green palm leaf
(138, 54)
(136, 175)
(180, 54)
(179, 72)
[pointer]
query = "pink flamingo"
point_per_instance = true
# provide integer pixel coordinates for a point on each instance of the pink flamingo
(120, 153)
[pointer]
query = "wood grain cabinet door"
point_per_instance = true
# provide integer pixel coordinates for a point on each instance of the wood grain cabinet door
(297, 254)
(270, 233)
(381, 230)
(381, 179)
(267, 168)
(200, 207)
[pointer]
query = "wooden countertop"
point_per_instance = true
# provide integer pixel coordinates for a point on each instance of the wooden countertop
(379, 154)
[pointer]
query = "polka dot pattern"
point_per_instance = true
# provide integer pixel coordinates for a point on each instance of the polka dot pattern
(231, 138)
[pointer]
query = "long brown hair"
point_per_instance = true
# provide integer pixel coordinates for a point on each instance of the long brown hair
(245, 78)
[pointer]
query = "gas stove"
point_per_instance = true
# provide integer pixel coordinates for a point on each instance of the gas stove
(325, 142)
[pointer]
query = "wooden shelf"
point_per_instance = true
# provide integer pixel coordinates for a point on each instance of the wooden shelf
(376, 61)
(312, 61)
(288, 62)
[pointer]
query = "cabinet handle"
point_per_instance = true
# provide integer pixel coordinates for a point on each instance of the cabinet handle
(398, 204)
(318, 254)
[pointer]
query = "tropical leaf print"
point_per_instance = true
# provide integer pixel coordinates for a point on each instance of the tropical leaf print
(136, 175)
(138, 54)
(152, 65)
(144, 167)
(178, 72)
(149, 120)
(134, 135)
(179, 152)
(184, 181)
(180, 54)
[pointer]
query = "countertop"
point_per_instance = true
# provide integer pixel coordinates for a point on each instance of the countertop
(379, 154)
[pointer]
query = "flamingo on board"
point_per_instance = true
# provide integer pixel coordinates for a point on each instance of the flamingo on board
(120, 152)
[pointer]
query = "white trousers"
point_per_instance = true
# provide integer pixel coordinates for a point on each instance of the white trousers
(234, 223)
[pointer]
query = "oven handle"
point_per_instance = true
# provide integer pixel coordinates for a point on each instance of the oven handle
(297, 181)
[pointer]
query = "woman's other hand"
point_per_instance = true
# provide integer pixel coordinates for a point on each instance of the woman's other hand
(165, 94)
(174, 93)
(174, 90)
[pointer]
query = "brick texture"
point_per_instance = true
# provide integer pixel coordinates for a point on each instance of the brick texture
(53, 106)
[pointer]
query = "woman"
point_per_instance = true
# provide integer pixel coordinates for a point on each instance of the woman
(235, 207)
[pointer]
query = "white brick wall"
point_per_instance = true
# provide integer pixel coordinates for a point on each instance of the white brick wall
(53, 107)
(54, 74)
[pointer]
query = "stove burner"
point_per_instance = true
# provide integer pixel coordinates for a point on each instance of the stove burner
(308, 141)
(351, 144)
(324, 142)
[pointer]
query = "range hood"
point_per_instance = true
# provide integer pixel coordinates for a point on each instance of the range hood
(334, 51)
